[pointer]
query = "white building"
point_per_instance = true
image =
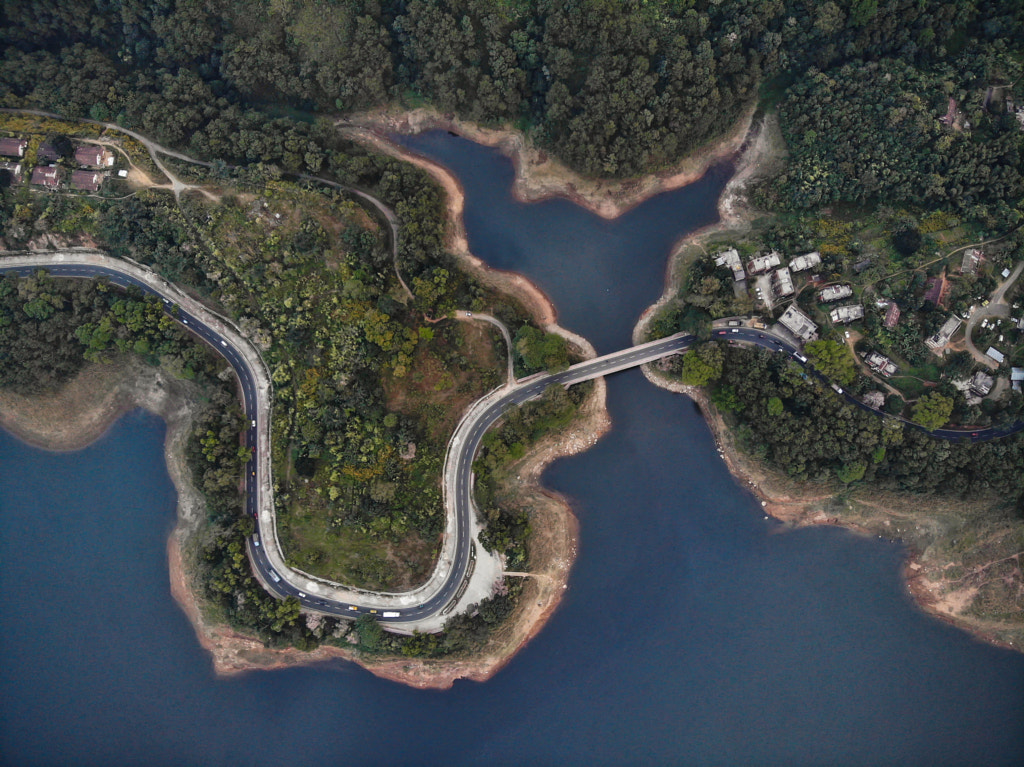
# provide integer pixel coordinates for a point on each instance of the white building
(995, 354)
(782, 283)
(798, 323)
(946, 332)
(763, 263)
(835, 293)
(881, 363)
(847, 314)
(731, 260)
(981, 383)
(806, 261)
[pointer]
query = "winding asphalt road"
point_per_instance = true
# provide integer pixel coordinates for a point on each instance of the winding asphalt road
(458, 471)
(459, 464)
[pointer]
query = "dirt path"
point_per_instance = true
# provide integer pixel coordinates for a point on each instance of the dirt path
(997, 307)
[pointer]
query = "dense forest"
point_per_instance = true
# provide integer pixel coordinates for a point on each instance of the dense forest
(613, 88)
(870, 132)
(798, 425)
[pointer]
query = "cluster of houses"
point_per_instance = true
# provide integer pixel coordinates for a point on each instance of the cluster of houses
(774, 281)
(92, 161)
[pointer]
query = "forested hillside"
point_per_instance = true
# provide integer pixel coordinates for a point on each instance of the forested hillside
(613, 88)
(870, 131)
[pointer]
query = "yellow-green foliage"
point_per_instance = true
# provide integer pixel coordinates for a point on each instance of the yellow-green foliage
(937, 221)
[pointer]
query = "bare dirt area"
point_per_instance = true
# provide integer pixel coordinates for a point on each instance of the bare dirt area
(963, 557)
(540, 176)
(432, 386)
(81, 411)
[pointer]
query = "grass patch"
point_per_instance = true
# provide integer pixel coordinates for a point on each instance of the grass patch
(911, 388)
(928, 372)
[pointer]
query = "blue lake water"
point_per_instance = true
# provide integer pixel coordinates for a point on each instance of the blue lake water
(693, 630)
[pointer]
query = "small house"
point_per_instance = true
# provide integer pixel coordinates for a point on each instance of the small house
(946, 332)
(835, 293)
(806, 261)
(48, 153)
(981, 383)
(13, 147)
(763, 263)
(782, 283)
(994, 353)
(798, 323)
(971, 261)
(1016, 378)
(12, 168)
(937, 290)
(847, 314)
(731, 260)
(87, 180)
(881, 364)
(94, 156)
(47, 177)
(892, 315)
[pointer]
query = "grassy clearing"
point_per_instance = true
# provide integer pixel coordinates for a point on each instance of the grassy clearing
(910, 388)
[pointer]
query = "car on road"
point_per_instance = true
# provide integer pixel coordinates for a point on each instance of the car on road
(721, 332)
(275, 576)
(223, 343)
(302, 594)
(255, 539)
(254, 472)
(734, 330)
(254, 423)
(353, 607)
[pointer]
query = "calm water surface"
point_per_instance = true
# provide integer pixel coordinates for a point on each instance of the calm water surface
(693, 632)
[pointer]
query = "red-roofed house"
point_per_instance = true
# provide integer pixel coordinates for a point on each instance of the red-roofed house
(892, 315)
(14, 169)
(87, 180)
(94, 156)
(48, 153)
(13, 147)
(48, 177)
(937, 290)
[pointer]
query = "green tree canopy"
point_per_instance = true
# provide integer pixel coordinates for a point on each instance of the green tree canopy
(832, 359)
(702, 365)
(933, 410)
(541, 351)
